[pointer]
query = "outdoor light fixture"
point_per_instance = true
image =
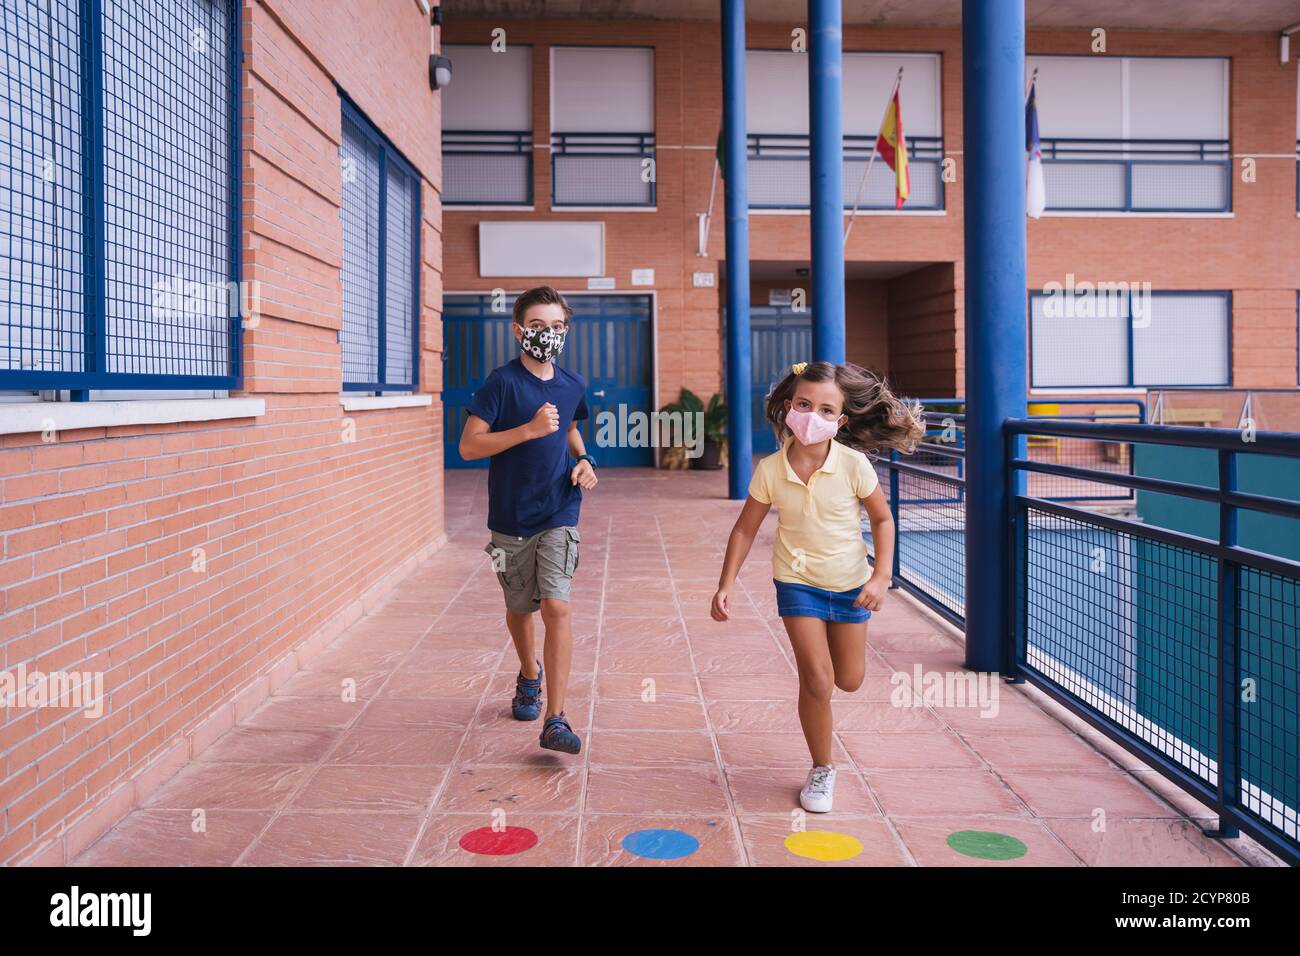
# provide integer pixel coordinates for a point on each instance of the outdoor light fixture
(439, 65)
(439, 72)
(1286, 41)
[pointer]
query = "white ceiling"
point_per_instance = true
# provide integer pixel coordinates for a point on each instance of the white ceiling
(1224, 15)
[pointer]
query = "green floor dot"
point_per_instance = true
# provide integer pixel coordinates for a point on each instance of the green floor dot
(986, 845)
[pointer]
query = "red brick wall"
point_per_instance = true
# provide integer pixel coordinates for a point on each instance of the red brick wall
(924, 338)
(297, 523)
(1256, 253)
(866, 324)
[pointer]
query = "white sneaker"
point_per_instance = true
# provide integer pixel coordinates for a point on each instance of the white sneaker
(819, 791)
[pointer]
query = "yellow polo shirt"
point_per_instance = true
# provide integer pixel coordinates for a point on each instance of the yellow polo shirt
(819, 524)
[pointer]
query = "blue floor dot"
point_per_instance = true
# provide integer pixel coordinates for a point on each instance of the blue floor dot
(660, 844)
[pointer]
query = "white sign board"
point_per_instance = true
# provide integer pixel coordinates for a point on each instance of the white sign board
(540, 249)
(643, 277)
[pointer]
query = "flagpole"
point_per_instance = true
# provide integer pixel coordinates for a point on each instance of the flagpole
(862, 184)
(707, 224)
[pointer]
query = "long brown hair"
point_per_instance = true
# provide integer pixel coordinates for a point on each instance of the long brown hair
(878, 418)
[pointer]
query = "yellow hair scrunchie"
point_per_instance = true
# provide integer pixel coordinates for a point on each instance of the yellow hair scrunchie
(798, 367)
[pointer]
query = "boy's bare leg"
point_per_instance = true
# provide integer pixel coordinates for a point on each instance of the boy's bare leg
(521, 632)
(557, 652)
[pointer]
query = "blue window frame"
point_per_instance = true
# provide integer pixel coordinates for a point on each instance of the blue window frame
(1185, 339)
(1137, 175)
(602, 169)
(119, 186)
(381, 261)
(487, 168)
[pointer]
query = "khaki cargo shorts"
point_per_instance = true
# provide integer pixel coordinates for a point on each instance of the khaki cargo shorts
(536, 568)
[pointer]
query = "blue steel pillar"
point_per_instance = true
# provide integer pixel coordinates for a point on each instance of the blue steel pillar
(740, 424)
(826, 178)
(993, 82)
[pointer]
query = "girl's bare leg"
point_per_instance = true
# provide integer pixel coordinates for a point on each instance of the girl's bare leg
(848, 648)
(816, 683)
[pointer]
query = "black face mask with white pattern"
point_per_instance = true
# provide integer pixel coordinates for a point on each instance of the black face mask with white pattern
(542, 344)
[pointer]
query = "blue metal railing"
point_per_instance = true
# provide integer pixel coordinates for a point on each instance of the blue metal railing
(927, 491)
(107, 284)
(1085, 174)
(779, 176)
(481, 167)
(927, 500)
(949, 429)
(603, 169)
(1174, 635)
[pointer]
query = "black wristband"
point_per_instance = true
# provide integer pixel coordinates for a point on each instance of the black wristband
(587, 458)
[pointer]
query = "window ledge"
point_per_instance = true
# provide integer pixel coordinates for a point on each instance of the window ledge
(610, 209)
(21, 417)
(361, 403)
(1136, 214)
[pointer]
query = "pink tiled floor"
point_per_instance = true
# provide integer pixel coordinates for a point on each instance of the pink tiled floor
(687, 724)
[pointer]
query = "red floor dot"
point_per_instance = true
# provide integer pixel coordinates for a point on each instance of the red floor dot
(491, 842)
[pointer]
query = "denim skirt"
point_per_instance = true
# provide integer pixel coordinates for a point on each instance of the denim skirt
(804, 600)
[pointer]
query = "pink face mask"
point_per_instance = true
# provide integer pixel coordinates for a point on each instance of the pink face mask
(809, 427)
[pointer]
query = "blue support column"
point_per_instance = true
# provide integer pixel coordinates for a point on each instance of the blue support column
(826, 178)
(993, 79)
(740, 424)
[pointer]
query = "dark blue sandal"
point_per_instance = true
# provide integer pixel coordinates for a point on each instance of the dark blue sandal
(527, 702)
(558, 735)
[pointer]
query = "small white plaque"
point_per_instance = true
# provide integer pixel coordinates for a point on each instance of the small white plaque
(643, 277)
(702, 280)
(600, 282)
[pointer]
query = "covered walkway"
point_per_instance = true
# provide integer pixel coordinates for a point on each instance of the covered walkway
(688, 726)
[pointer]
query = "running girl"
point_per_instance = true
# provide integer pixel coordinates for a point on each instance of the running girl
(828, 416)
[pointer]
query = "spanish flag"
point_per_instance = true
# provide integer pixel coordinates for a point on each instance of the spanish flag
(891, 144)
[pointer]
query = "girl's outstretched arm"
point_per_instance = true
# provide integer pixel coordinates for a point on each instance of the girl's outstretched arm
(738, 545)
(873, 592)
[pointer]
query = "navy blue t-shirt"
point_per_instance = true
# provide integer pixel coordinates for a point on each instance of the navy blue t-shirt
(529, 489)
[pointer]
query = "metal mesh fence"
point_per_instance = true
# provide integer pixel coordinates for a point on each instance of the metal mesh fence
(1268, 726)
(40, 187)
(144, 88)
(1127, 626)
(167, 188)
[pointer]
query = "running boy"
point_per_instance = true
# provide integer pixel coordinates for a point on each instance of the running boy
(525, 418)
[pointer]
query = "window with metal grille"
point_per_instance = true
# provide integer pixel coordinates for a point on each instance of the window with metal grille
(487, 127)
(119, 229)
(1134, 134)
(776, 116)
(1102, 335)
(381, 261)
(602, 126)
